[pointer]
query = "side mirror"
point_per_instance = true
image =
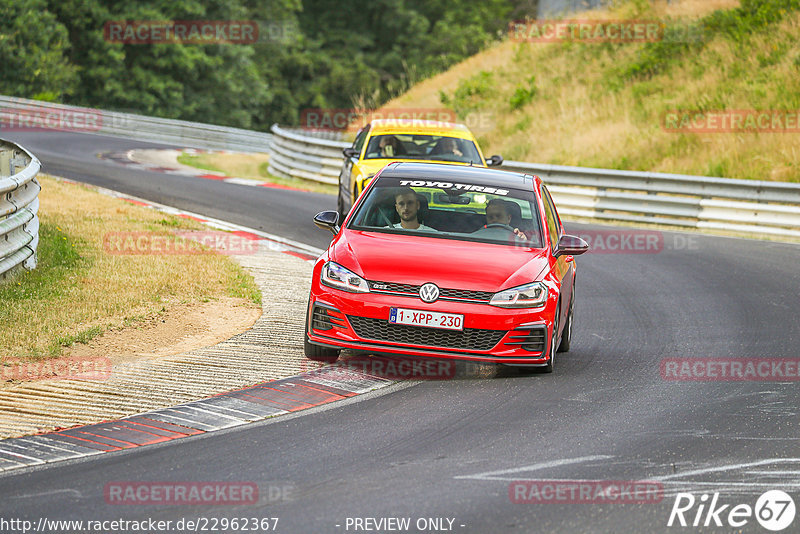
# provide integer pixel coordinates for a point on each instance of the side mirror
(328, 220)
(350, 152)
(494, 161)
(572, 245)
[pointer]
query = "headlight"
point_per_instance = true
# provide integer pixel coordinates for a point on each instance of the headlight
(334, 275)
(528, 296)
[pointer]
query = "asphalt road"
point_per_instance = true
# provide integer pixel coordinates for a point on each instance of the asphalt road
(277, 211)
(451, 448)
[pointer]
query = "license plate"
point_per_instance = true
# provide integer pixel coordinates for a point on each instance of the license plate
(430, 319)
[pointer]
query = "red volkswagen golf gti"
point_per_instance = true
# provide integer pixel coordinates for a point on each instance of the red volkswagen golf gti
(448, 262)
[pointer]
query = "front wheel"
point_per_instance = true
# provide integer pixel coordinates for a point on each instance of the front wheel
(566, 337)
(340, 208)
(318, 353)
(553, 343)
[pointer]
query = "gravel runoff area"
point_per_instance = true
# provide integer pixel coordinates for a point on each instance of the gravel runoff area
(271, 349)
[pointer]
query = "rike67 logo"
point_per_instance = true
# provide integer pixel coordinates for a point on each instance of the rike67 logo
(774, 510)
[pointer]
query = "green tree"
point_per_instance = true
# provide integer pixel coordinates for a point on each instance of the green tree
(33, 48)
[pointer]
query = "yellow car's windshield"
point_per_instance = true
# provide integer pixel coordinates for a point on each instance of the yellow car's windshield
(423, 147)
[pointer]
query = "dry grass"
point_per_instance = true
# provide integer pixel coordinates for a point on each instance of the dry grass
(587, 111)
(79, 290)
(692, 8)
(253, 166)
(234, 164)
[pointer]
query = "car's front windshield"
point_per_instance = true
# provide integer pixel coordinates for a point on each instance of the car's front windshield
(448, 210)
(422, 147)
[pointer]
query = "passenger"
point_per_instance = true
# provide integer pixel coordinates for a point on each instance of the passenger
(407, 205)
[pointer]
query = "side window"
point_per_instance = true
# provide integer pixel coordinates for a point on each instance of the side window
(553, 227)
(358, 144)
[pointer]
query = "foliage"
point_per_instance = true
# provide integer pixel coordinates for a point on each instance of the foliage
(682, 39)
(523, 95)
(33, 46)
(471, 94)
(310, 54)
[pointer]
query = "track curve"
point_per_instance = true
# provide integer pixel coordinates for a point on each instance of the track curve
(450, 449)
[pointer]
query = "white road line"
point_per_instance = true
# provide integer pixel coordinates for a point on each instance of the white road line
(733, 484)
(791, 473)
(726, 468)
(494, 475)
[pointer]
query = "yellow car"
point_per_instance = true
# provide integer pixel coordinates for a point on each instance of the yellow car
(386, 140)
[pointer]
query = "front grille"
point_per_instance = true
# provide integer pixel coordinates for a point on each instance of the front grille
(382, 330)
(390, 287)
(462, 295)
(326, 318)
(530, 338)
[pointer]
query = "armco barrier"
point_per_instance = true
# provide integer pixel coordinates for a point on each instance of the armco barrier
(19, 205)
(696, 201)
(749, 206)
(693, 201)
(22, 113)
(304, 155)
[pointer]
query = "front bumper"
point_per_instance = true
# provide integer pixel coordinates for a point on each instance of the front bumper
(360, 321)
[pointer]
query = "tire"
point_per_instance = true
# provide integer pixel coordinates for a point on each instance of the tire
(566, 337)
(549, 366)
(340, 208)
(318, 353)
(553, 341)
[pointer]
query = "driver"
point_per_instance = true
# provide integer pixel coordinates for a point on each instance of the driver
(448, 145)
(497, 214)
(389, 146)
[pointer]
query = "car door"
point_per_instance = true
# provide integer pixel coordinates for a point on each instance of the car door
(346, 175)
(564, 266)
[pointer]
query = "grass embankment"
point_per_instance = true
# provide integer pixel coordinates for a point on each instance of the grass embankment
(253, 166)
(603, 104)
(79, 290)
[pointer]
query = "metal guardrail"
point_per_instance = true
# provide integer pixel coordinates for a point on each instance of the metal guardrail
(303, 155)
(676, 199)
(22, 113)
(19, 205)
(644, 197)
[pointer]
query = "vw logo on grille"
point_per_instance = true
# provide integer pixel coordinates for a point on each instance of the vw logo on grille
(429, 292)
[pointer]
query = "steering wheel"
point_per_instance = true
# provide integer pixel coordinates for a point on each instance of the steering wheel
(500, 225)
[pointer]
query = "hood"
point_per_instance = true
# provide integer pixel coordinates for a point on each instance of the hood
(372, 166)
(445, 262)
